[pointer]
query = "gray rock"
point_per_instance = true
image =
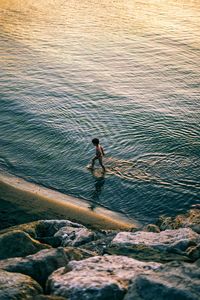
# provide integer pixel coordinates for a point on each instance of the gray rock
(97, 278)
(100, 245)
(164, 246)
(197, 262)
(45, 231)
(78, 253)
(173, 281)
(151, 228)
(49, 297)
(189, 220)
(18, 243)
(15, 286)
(194, 252)
(72, 236)
(50, 227)
(28, 228)
(40, 265)
(42, 228)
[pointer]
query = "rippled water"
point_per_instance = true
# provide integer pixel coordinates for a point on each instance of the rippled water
(125, 71)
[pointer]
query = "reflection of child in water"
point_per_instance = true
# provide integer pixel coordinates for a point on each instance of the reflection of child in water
(98, 186)
(99, 154)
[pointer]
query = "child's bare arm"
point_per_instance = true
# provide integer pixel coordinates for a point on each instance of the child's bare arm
(102, 151)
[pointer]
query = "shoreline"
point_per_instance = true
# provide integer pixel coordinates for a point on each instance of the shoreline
(28, 201)
(60, 260)
(45, 250)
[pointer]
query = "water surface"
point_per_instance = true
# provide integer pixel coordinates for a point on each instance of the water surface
(124, 71)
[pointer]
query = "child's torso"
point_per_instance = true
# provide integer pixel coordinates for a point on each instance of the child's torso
(99, 151)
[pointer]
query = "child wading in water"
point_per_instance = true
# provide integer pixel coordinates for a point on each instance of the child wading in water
(99, 154)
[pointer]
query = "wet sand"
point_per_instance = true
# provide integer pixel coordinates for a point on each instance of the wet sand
(11, 214)
(22, 202)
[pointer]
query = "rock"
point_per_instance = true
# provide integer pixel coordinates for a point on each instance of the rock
(18, 243)
(100, 245)
(15, 286)
(29, 228)
(197, 262)
(194, 252)
(189, 220)
(97, 278)
(45, 230)
(49, 297)
(43, 227)
(40, 265)
(151, 228)
(176, 280)
(165, 223)
(78, 253)
(164, 246)
(71, 236)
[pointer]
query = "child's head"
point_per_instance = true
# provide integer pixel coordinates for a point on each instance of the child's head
(95, 142)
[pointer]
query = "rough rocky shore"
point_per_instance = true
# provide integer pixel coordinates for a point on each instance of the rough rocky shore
(60, 259)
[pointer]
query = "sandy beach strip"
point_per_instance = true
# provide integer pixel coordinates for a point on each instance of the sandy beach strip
(33, 202)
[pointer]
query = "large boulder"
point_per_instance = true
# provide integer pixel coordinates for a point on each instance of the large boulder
(29, 228)
(50, 227)
(15, 286)
(174, 281)
(97, 278)
(72, 236)
(46, 231)
(163, 246)
(18, 243)
(100, 246)
(43, 227)
(40, 265)
(191, 220)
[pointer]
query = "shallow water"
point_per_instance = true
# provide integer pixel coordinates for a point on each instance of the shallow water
(124, 71)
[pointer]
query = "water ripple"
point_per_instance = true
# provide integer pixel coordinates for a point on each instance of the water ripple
(103, 70)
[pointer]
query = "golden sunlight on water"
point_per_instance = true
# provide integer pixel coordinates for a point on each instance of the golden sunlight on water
(49, 27)
(26, 19)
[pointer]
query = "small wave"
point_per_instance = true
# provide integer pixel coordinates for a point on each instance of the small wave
(161, 169)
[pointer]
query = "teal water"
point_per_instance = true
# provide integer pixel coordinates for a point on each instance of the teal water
(124, 71)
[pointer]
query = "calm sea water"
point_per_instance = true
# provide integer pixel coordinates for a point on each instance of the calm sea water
(126, 71)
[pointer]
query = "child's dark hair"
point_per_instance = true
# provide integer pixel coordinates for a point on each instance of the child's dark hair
(95, 141)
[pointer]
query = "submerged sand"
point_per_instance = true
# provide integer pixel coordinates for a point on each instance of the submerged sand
(22, 201)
